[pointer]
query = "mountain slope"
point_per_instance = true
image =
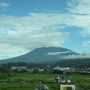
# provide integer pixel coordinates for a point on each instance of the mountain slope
(42, 55)
(78, 63)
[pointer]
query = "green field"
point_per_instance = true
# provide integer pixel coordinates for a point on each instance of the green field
(29, 81)
(26, 81)
(82, 80)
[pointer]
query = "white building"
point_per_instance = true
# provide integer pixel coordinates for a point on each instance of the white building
(67, 86)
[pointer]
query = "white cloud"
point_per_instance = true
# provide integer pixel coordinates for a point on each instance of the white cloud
(77, 56)
(32, 31)
(81, 21)
(41, 29)
(79, 6)
(4, 5)
(58, 53)
(80, 16)
(86, 44)
(71, 3)
(8, 51)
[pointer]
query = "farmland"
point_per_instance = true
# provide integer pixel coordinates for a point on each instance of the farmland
(30, 81)
(82, 80)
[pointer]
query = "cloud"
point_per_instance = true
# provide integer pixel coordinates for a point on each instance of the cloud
(8, 51)
(77, 56)
(57, 53)
(71, 4)
(4, 5)
(86, 43)
(32, 31)
(81, 21)
(44, 29)
(80, 16)
(79, 6)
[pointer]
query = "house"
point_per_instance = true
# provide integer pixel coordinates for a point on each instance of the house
(29, 70)
(60, 70)
(67, 85)
(23, 68)
(14, 68)
(41, 70)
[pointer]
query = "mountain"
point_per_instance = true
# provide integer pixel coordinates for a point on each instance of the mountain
(43, 55)
(78, 63)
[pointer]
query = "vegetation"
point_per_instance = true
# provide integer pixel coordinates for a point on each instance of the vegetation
(82, 80)
(30, 81)
(76, 63)
(25, 81)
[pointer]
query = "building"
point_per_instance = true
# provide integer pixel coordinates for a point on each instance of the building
(60, 69)
(67, 85)
(23, 68)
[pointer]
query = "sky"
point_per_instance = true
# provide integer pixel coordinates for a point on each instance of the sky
(29, 24)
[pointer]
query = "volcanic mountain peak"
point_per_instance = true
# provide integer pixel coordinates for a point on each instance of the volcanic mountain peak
(44, 54)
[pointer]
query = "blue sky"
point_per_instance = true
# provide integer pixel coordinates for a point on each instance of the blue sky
(29, 24)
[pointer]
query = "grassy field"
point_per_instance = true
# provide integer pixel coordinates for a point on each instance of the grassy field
(26, 81)
(82, 80)
(29, 81)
